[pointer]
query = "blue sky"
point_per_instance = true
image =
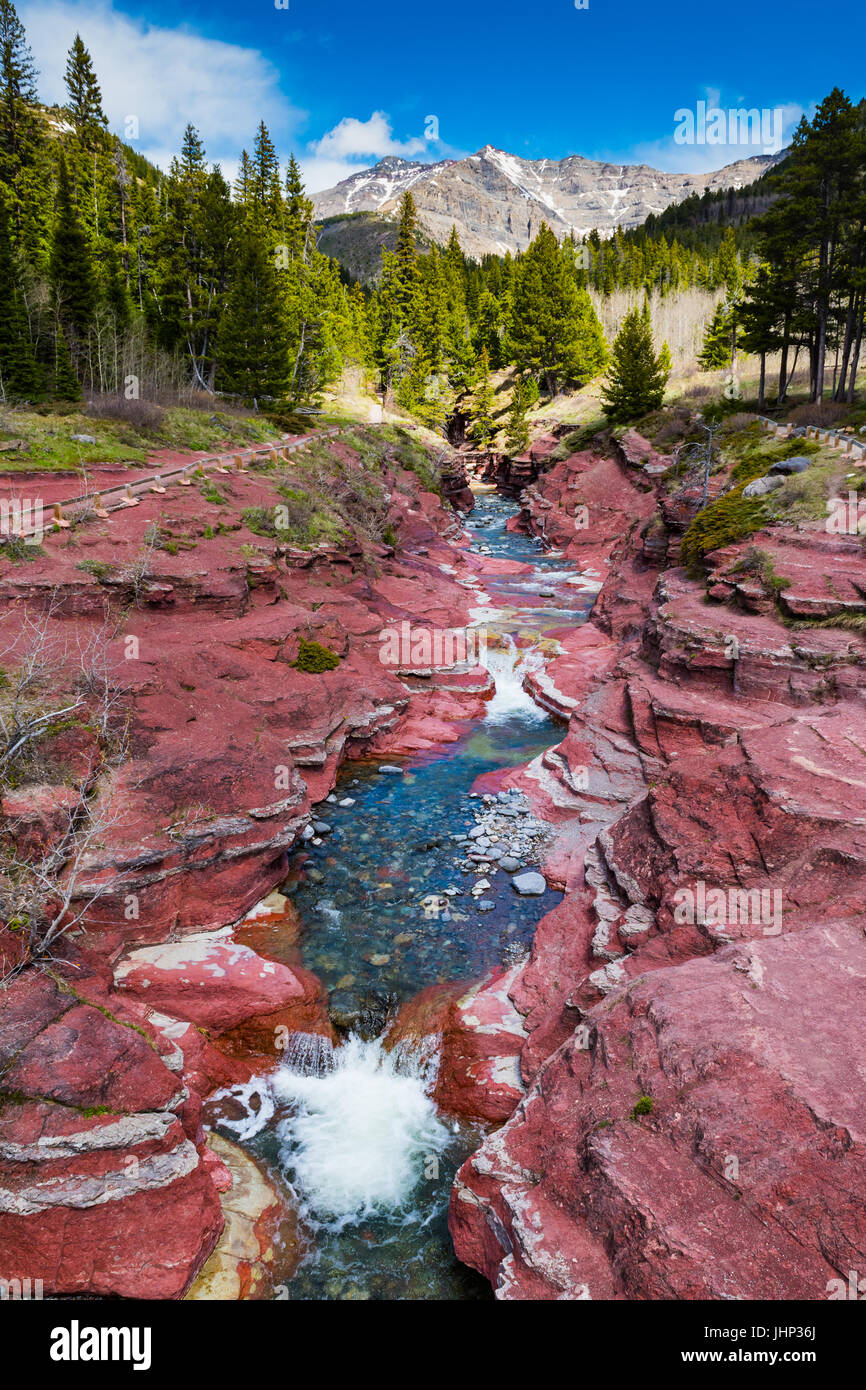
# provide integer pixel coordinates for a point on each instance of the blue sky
(343, 84)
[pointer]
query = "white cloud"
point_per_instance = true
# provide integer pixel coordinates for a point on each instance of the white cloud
(355, 144)
(165, 77)
(669, 155)
(353, 139)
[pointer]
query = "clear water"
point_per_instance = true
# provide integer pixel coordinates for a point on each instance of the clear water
(354, 1132)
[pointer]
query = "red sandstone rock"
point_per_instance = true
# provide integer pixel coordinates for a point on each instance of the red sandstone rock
(479, 1036)
(210, 980)
(716, 746)
(108, 1205)
(746, 1179)
(88, 1060)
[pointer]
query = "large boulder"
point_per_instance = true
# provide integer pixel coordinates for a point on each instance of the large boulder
(211, 980)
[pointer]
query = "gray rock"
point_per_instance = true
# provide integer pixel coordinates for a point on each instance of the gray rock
(389, 767)
(83, 438)
(509, 864)
(530, 885)
(486, 905)
(761, 486)
(798, 464)
(345, 1008)
(321, 827)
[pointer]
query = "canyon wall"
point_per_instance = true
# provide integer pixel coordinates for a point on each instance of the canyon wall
(110, 1040)
(692, 1121)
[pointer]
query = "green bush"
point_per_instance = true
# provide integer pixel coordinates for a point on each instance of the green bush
(643, 1107)
(314, 658)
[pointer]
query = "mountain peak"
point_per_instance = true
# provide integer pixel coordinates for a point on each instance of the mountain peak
(498, 200)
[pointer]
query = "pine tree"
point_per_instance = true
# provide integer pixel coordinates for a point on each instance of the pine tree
(253, 343)
(70, 269)
(85, 98)
(264, 187)
(244, 181)
(20, 377)
(761, 315)
(715, 351)
(554, 332)
(635, 382)
(483, 428)
(20, 136)
(517, 429)
(406, 272)
(298, 214)
(65, 385)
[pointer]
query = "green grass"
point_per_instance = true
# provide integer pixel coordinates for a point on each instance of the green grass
(49, 446)
(324, 499)
(804, 496)
(759, 564)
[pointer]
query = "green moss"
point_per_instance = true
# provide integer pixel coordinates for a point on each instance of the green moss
(724, 521)
(314, 658)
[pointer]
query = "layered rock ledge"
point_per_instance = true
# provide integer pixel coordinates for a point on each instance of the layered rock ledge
(693, 1118)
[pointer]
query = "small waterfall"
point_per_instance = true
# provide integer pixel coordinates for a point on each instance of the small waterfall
(508, 667)
(360, 1130)
(309, 1054)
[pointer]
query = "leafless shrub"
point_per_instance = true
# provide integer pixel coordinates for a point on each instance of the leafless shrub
(741, 420)
(142, 415)
(37, 657)
(135, 576)
(46, 893)
(824, 414)
(700, 394)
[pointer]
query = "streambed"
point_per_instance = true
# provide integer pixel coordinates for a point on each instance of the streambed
(352, 1130)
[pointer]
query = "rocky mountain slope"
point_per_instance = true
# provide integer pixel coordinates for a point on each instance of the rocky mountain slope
(497, 200)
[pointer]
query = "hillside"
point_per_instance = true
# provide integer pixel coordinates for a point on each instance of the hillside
(357, 239)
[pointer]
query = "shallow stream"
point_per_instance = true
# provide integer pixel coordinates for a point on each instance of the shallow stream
(385, 909)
